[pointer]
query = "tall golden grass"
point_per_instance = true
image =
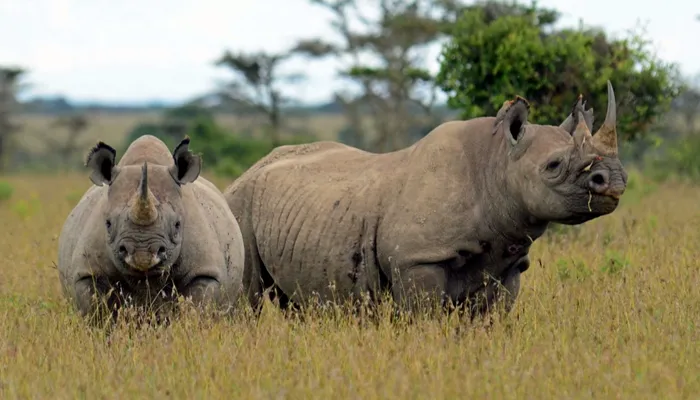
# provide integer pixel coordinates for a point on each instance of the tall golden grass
(611, 310)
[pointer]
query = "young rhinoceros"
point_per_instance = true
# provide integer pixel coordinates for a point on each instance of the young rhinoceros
(448, 217)
(150, 224)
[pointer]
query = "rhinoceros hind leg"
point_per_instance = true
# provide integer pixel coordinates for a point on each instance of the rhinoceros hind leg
(258, 282)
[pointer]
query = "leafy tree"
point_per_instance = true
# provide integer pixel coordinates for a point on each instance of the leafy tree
(499, 50)
(75, 125)
(397, 90)
(227, 154)
(223, 152)
(256, 86)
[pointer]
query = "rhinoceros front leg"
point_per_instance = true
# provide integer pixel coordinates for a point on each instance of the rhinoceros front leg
(510, 288)
(510, 283)
(419, 287)
(94, 298)
(425, 286)
(204, 291)
(505, 289)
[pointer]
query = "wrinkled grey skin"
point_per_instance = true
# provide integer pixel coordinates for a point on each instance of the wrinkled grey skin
(450, 217)
(144, 235)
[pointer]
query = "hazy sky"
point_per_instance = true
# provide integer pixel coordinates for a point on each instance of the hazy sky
(132, 50)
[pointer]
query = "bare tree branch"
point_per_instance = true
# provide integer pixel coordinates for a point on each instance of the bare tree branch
(255, 84)
(394, 87)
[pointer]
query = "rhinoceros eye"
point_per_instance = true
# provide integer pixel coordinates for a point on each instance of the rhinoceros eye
(553, 165)
(177, 225)
(108, 224)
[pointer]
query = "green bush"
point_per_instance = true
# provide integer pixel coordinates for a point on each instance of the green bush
(678, 159)
(226, 154)
(495, 54)
(639, 186)
(223, 153)
(6, 191)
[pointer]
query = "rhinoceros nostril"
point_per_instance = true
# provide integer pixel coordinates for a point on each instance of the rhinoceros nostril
(122, 250)
(598, 179)
(161, 250)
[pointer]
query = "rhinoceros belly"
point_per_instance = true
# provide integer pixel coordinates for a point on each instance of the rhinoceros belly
(318, 243)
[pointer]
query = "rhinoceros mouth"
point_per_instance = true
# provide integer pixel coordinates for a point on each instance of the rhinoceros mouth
(603, 203)
(162, 268)
(596, 206)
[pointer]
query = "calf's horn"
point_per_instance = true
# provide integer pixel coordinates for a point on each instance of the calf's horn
(143, 209)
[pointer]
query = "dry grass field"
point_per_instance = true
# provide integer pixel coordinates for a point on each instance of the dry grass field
(608, 311)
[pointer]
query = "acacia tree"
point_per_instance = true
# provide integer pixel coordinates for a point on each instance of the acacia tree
(75, 125)
(496, 52)
(10, 84)
(256, 86)
(396, 90)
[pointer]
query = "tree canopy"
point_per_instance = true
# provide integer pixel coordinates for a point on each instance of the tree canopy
(396, 90)
(497, 51)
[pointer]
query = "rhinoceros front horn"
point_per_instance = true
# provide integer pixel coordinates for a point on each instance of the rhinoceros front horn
(143, 209)
(605, 139)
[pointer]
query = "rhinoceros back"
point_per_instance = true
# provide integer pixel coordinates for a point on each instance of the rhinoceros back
(312, 212)
(147, 148)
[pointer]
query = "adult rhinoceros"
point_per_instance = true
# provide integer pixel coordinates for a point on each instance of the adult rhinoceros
(450, 216)
(148, 225)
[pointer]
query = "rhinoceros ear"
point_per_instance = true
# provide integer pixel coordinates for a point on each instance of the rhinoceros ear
(187, 165)
(515, 119)
(101, 160)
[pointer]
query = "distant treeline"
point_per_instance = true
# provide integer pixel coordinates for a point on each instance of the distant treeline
(63, 105)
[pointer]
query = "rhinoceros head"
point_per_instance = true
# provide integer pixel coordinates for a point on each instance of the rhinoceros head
(143, 215)
(563, 173)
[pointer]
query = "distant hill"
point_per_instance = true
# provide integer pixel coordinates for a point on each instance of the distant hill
(61, 105)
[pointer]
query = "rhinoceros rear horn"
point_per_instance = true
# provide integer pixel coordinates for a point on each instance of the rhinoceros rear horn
(572, 119)
(187, 166)
(143, 209)
(605, 139)
(581, 131)
(515, 117)
(100, 160)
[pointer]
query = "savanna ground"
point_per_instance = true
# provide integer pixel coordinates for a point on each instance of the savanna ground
(611, 310)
